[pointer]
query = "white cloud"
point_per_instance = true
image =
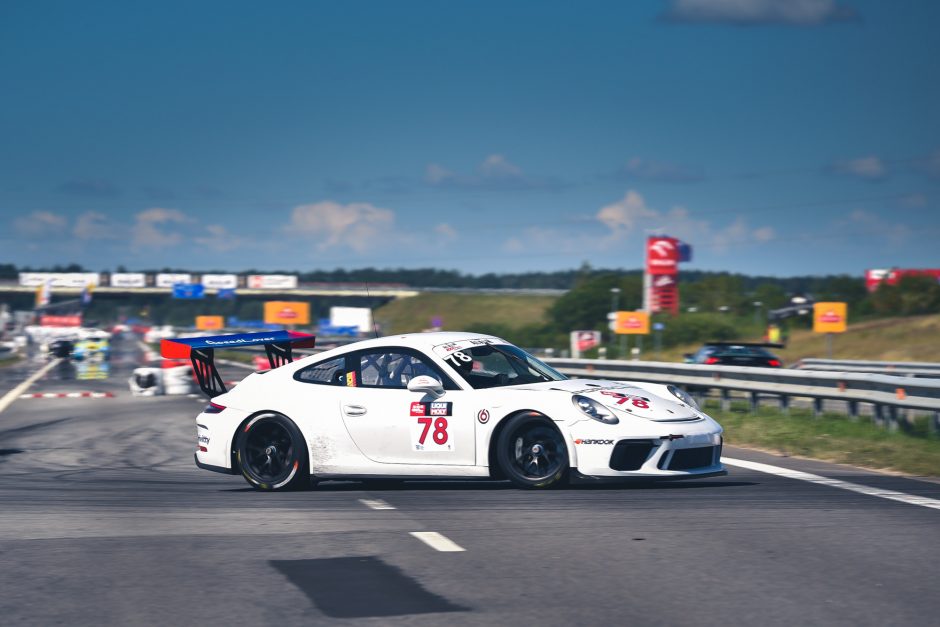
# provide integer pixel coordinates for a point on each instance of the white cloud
(495, 172)
(359, 226)
(658, 171)
(870, 168)
(435, 174)
(40, 224)
(497, 166)
(867, 223)
(93, 225)
(446, 231)
(754, 12)
(626, 213)
(218, 239)
(152, 228)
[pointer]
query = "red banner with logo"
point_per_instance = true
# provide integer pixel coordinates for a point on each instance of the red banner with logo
(662, 255)
(74, 320)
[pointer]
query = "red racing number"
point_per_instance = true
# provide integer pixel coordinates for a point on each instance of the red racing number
(440, 430)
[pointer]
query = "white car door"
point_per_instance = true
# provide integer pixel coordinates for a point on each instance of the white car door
(391, 425)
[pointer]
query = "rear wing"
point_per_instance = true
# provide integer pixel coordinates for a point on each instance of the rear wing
(278, 346)
(751, 344)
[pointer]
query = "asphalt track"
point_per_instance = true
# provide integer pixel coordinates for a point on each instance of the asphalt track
(104, 520)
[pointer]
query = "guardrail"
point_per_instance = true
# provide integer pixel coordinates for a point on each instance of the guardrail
(886, 394)
(905, 368)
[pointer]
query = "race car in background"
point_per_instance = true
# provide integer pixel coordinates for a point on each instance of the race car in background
(434, 406)
(754, 354)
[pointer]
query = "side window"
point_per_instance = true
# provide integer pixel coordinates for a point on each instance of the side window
(392, 369)
(332, 372)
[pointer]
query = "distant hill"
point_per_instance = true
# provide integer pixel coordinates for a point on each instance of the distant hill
(459, 311)
(914, 338)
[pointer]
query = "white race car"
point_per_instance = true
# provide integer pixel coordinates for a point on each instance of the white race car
(435, 406)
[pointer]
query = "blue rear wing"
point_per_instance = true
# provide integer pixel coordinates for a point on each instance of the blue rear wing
(278, 346)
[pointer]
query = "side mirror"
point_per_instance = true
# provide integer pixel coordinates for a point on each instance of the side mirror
(426, 385)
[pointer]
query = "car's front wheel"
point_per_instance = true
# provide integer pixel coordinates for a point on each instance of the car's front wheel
(271, 453)
(531, 452)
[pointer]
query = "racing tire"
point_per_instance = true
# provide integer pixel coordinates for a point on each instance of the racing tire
(271, 454)
(531, 452)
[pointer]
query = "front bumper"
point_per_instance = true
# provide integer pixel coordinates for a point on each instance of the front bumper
(676, 452)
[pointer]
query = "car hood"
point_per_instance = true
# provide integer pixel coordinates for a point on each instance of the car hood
(623, 397)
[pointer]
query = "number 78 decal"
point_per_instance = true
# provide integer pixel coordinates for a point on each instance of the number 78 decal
(429, 431)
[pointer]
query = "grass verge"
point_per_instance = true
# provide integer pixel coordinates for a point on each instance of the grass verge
(834, 438)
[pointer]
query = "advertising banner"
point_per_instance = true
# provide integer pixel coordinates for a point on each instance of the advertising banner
(73, 320)
(286, 312)
(662, 255)
(128, 279)
(59, 279)
(829, 317)
(188, 291)
(582, 341)
(210, 323)
(272, 282)
(219, 281)
(359, 317)
(169, 280)
(632, 323)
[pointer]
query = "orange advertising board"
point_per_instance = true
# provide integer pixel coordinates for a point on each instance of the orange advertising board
(632, 323)
(286, 312)
(210, 323)
(829, 317)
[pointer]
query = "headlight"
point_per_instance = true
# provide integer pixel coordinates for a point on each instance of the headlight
(593, 409)
(683, 396)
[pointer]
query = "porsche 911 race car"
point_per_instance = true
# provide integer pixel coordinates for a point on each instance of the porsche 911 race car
(434, 406)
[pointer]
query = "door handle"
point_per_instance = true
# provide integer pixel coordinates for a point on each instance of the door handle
(354, 410)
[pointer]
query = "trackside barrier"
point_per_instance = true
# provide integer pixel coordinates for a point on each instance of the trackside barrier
(902, 368)
(887, 395)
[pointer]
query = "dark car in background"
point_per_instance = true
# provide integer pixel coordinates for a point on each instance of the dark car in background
(736, 354)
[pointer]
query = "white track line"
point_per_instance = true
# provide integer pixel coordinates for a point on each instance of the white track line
(376, 504)
(437, 542)
(14, 394)
(902, 497)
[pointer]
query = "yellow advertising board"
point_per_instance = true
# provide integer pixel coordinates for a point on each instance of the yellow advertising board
(632, 323)
(210, 323)
(829, 317)
(286, 312)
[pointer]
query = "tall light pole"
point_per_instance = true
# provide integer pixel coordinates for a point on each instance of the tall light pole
(614, 306)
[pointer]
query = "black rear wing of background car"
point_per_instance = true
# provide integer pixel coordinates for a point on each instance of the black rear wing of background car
(278, 346)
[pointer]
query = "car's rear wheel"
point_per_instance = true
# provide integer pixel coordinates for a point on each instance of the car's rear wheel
(531, 452)
(271, 453)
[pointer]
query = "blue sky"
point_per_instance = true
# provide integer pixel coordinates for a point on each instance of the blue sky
(778, 137)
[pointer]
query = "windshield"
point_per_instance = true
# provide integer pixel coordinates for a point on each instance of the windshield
(493, 365)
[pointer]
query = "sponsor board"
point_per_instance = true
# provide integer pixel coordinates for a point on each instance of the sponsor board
(632, 323)
(286, 312)
(59, 279)
(169, 280)
(582, 341)
(219, 281)
(210, 323)
(60, 321)
(830, 317)
(128, 279)
(272, 282)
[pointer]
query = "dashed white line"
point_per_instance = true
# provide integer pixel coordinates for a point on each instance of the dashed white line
(13, 394)
(376, 504)
(438, 542)
(892, 495)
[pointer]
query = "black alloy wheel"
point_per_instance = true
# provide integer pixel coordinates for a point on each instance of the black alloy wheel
(271, 453)
(531, 452)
